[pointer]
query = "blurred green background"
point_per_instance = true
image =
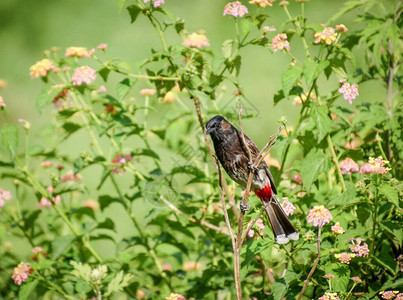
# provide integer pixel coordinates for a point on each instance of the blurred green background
(27, 28)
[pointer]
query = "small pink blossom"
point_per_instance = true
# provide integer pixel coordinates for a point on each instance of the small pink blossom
(341, 28)
(358, 249)
(236, 9)
(76, 52)
(279, 42)
(344, 257)
(283, 3)
(41, 68)
(337, 228)
(37, 250)
(267, 29)
(375, 165)
(70, 176)
(44, 202)
(196, 40)
(21, 273)
(90, 52)
(259, 223)
(94, 205)
(319, 216)
(102, 46)
(251, 233)
(2, 104)
(329, 276)
(83, 75)
(328, 296)
(119, 163)
(147, 92)
(287, 206)
(388, 294)
(175, 296)
(356, 279)
(46, 164)
(4, 195)
(349, 92)
(156, 3)
(348, 165)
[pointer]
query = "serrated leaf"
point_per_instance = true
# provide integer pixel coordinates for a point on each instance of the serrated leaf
(60, 244)
(322, 121)
(123, 88)
(389, 192)
(134, 12)
(119, 282)
(9, 138)
(312, 69)
(289, 78)
(311, 167)
(227, 48)
(279, 287)
(342, 276)
(26, 289)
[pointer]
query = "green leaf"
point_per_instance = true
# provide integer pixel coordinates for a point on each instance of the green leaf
(246, 25)
(60, 244)
(389, 192)
(146, 152)
(106, 200)
(227, 48)
(342, 276)
(278, 97)
(279, 287)
(311, 167)
(312, 69)
(188, 169)
(46, 97)
(289, 78)
(123, 88)
(134, 12)
(322, 121)
(159, 132)
(119, 282)
(395, 229)
(82, 287)
(9, 138)
(179, 25)
(121, 3)
(26, 289)
(107, 224)
(104, 73)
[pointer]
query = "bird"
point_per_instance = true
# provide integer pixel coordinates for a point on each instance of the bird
(234, 158)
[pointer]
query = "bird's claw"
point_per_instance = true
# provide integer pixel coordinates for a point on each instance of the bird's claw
(251, 166)
(244, 207)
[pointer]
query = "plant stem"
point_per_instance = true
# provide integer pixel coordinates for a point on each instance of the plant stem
(336, 162)
(313, 267)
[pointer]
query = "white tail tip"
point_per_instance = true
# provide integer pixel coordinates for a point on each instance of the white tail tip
(294, 236)
(282, 239)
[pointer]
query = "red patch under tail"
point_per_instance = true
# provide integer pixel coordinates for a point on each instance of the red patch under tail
(265, 193)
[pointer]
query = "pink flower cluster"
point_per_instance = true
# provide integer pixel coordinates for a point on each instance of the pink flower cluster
(327, 36)
(344, 257)
(358, 249)
(196, 40)
(4, 195)
(70, 176)
(391, 295)
(83, 75)
(319, 216)
(21, 273)
(262, 3)
(349, 91)
(259, 225)
(147, 92)
(279, 42)
(236, 9)
(119, 163)
(41, 68)
(356, 279)
(337, 228)
(78, 52)
(375, 165)
(175, 296)
(156, 3)
(287, 206)
(329, 296)
(348, 165)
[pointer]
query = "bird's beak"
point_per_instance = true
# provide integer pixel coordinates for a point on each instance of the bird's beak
(208, 131)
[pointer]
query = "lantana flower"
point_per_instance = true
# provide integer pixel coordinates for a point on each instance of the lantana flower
(262, 3)
(329, 276)
(236, 9)
(388, 294)
(341, 28)
(356, 279)
(76, 52)
(147, 92)
(279, 42)
(358, 249)
(349, 91)
(4, 195)
(327, 36)
(2, 103)
(21, 273)
(329, 296)
(259, 226)
(375, 165)
(175, 296)
(337, 228)
(119, 163)
(287, 206)
(319, 216)
(344, 257)
(83, 74)
(70, 176)
(41, 68)
(102, 46)
(348, 165)
(267, 29)
(196, 40)
(192, 266)
(156, 3)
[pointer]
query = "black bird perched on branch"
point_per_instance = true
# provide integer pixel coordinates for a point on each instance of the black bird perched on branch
(234, 158)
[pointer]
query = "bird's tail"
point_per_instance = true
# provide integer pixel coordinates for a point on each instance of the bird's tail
(283, 230)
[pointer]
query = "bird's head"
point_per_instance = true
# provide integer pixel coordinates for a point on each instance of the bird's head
(218, 126)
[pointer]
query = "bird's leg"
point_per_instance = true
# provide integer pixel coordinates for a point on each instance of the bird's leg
(244, 207)
(251, 166)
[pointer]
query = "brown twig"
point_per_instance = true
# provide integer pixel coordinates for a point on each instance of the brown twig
(252, 223)
(210, 150)
(313, 267)
(191, 219)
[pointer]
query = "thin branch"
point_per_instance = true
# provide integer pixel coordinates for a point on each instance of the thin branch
(191, 219)
(313, 267)
(252, 223)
